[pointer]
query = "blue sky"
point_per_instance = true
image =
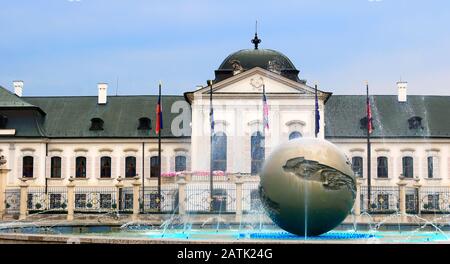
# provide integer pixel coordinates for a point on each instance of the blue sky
(65, 47)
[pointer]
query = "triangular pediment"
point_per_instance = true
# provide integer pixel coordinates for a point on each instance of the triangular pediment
(252, 81)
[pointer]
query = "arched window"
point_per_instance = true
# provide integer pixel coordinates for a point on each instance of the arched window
(55, 167)
(80, 167)
(382, 167)
(219, 152)
(130, 167)
(257, 152)
(96, 124)
(180, 163)
(105, 167)
(408, 167)
(144, 123)
(154, 167)
(295, 134)
(357, 166)
(27, 167)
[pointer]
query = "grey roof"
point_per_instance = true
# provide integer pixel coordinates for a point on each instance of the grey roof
(390, 117)
(70, 116)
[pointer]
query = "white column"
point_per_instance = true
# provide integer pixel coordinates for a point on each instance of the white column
(136, 185)
(23, 199)
(70, 199)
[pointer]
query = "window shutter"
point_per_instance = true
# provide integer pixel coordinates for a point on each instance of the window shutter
(96, 167)
(64, 168)
(146, 167)
(139, 166)
(164, 164)
(122, 165)
(48, 166)
(188, 162)
(89, 168)
(114, 161)
(374, 167)
(391, 168)
(72, 171)
(172, 163)
(247, 154)
(436, 167)
(36, 167)
(416, 172)
(20, 167)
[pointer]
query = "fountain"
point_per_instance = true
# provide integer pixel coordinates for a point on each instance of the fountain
(305, 182)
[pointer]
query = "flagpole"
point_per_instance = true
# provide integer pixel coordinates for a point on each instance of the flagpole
(264, 116)
(368, 146)
(159, 151)
(316, 109)
(211, 186)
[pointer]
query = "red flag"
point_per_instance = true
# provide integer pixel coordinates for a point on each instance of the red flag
(159, 119)
(265, 109)
(369, 117)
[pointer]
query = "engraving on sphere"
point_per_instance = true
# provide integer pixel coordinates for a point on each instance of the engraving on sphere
(307, 183)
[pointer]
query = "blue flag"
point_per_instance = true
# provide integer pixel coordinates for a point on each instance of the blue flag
(317, 113)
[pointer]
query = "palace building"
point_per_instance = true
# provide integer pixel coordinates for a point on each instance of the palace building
(97, 139)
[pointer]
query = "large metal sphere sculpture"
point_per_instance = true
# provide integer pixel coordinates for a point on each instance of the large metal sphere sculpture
(307, 183)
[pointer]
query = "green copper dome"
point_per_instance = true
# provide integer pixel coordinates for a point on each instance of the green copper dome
(247, 59)
(263, 58)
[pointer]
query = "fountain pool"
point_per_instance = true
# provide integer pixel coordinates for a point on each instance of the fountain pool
(141, 233)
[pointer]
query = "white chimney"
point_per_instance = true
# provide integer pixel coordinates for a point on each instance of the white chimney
(18, 88)
(102, 92)
(402, 91)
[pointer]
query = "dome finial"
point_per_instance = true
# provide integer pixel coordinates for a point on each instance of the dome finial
(256, 40)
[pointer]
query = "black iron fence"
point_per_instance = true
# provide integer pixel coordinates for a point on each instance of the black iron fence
(434, 200)
(95, 199)
(198, 199)
(250, 198)
(383, 199)
(126, 200)
(41, 199)
(12, 201)
(153, 202)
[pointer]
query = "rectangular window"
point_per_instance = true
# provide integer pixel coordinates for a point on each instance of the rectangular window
(430, 167)
(382, 167)
(154, 168)
(357, 166)
(80, 169)
(105, 167)
(27, 167)
(55, 167)
(130, 167)
(180, 163)
(408, 167)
